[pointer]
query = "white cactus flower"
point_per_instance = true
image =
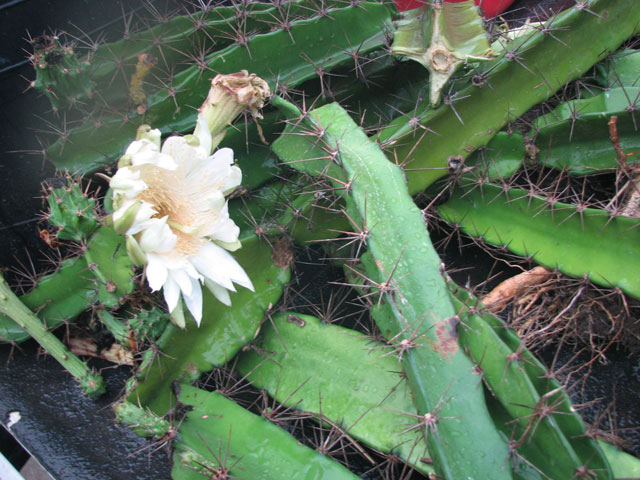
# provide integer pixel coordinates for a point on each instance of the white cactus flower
(170, 203)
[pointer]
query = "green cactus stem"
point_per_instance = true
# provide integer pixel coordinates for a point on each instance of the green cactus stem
(575, 136)
(103, 275)
(107, 260)
(117, 328)
(183, 41)
(284, 208)
(11, 306)
(528, 73)
(558, 445)
(57, 297)
(148, 325)
(239, 444)
(313, 46)
(60, 74)
(143, 422)
(499, 160)
(620, 70)
(623, 465)
(185, 353)
(452, 412)
(579, 242)
(341, 375)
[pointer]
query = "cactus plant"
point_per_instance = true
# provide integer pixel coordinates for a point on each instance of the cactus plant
(359, 30)
(469, 377)
(187, 353)
(60, 74)
(340, 375)
(11, 306)
(451, 411)
(575, 137)
(102, 274)
(223, 433)
(474, 114)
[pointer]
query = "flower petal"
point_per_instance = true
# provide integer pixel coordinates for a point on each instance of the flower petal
(194, 300)
(171, 292)
(217, 173)
(218, 265)
(143, 213)
(185, 155)
(126, 183)
(183, 280)
(156, 272)
(218, 291)
(225, 230)
(204, 134)
(144, 145)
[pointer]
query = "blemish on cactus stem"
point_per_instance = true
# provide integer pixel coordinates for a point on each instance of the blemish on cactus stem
(441, 59)
(297, 320)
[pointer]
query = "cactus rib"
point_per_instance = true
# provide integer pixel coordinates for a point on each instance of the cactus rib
(220, 439)
(341, 375)
(581, 243)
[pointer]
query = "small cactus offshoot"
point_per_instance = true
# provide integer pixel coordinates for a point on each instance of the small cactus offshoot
(72, 211)
(60, 74)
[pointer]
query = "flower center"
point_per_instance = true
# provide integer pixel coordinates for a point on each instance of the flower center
(168, 192)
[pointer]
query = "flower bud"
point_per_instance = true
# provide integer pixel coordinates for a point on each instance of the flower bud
(229, 96)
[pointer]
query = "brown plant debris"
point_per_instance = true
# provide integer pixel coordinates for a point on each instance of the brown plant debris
(498, 299)
(282, 253)
(115, 354)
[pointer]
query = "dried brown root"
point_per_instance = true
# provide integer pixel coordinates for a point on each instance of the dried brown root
(498, 299)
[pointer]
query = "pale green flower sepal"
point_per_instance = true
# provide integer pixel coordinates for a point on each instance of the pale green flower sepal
(230, 246)
(136, 254)
(177, 316)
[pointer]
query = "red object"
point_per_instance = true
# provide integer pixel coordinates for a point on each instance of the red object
(490, 8)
